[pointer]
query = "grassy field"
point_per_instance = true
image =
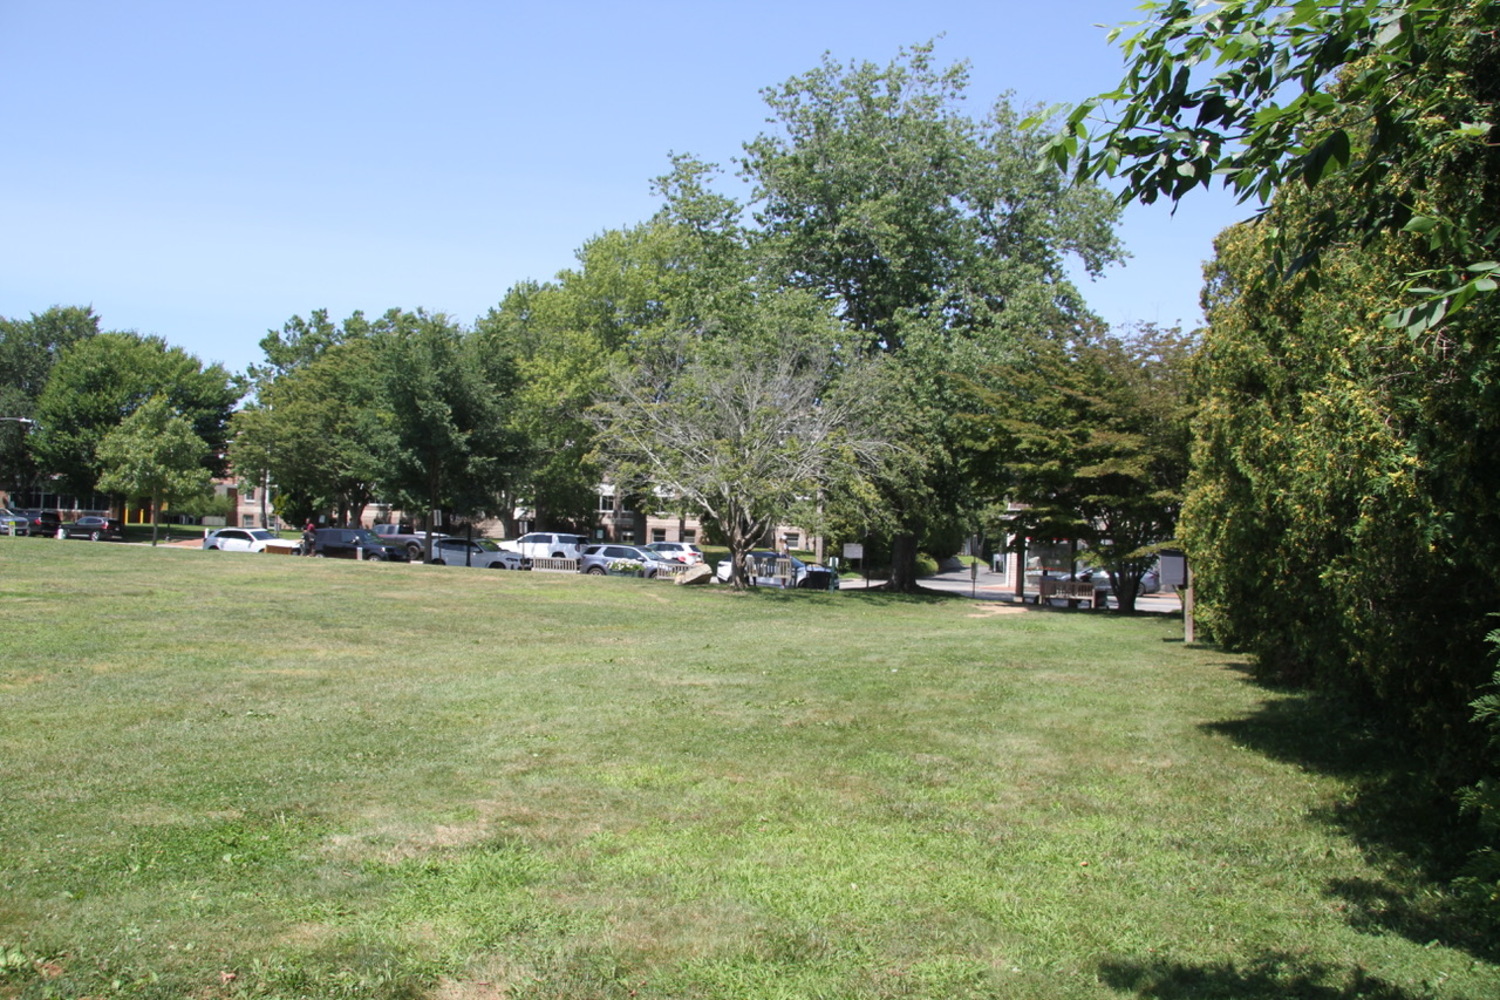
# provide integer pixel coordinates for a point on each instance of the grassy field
(230, 776)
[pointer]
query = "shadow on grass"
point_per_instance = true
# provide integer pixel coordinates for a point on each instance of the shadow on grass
(1409, 830)
(1272, 976)
(879, 595)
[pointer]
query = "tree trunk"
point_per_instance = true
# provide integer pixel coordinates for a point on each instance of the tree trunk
(904, 563)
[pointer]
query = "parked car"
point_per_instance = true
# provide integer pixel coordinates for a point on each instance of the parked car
(402, 534)
(685, 552)
(481, 552)
(804, 576)
(548, 545)
(599, 559)
(42, 522)
(14, 523)
(239, 539)
(95, 528)
(1150, 580)
(350, 543)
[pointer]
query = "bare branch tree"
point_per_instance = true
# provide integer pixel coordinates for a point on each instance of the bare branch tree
(740, 434)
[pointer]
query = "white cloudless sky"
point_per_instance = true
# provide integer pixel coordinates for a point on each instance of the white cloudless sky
(204, 171)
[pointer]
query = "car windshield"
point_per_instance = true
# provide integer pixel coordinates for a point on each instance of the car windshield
(486, 544)
(262, 534)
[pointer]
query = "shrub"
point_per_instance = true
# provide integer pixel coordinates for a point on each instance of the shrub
(1482, 799)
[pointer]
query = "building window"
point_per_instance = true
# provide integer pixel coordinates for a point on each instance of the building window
(606, 503)
(628, 536)
(658, 534)
(793, 539)
(689, 535)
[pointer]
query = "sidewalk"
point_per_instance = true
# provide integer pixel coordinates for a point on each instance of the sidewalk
(988, 586)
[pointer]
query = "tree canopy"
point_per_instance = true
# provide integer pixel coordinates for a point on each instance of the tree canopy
(1396, 98)
(100, 380)
(937, 238)
(154, 455)
(1091, 438)
(29, 349)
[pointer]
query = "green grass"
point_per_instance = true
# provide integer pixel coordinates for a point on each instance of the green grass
(262, 776)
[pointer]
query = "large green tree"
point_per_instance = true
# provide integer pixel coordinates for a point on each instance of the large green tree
(100, 380)
(879, 193)
(687, 271)
(1092, 436)
(154, 455)
(320, 429)
(454, 446)
(28, 350)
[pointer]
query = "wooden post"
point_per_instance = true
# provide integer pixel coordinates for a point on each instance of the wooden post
(1189, 631)
(1020, 565)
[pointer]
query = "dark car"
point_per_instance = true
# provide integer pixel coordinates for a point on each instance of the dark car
(95, 528)
(355, 543)
(1099, 576)
(42, 522)
(14, 522)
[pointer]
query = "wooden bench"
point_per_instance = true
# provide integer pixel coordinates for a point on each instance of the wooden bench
(1071, 590)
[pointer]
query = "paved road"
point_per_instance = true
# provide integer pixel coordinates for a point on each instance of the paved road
(990, 586)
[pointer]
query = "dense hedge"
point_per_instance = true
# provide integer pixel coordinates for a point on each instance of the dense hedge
(1342, 512)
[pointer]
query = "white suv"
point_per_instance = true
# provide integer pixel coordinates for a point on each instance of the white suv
(547, 545)
(682, 551)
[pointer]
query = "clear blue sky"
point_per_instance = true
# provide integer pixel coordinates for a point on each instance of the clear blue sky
(203, 171)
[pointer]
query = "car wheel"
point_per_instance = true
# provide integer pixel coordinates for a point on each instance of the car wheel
(93, 536)
(414, 551)
(595, 571)
(498, 565)
(435, 562)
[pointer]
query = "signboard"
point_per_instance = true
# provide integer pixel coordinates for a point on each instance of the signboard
(1173, 568)
(854, 550)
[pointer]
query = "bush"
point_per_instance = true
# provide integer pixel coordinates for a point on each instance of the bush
(1481, 880)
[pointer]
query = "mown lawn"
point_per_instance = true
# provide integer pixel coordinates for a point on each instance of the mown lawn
(231, 775)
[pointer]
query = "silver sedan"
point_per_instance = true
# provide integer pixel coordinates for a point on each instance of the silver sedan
(481, 552)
